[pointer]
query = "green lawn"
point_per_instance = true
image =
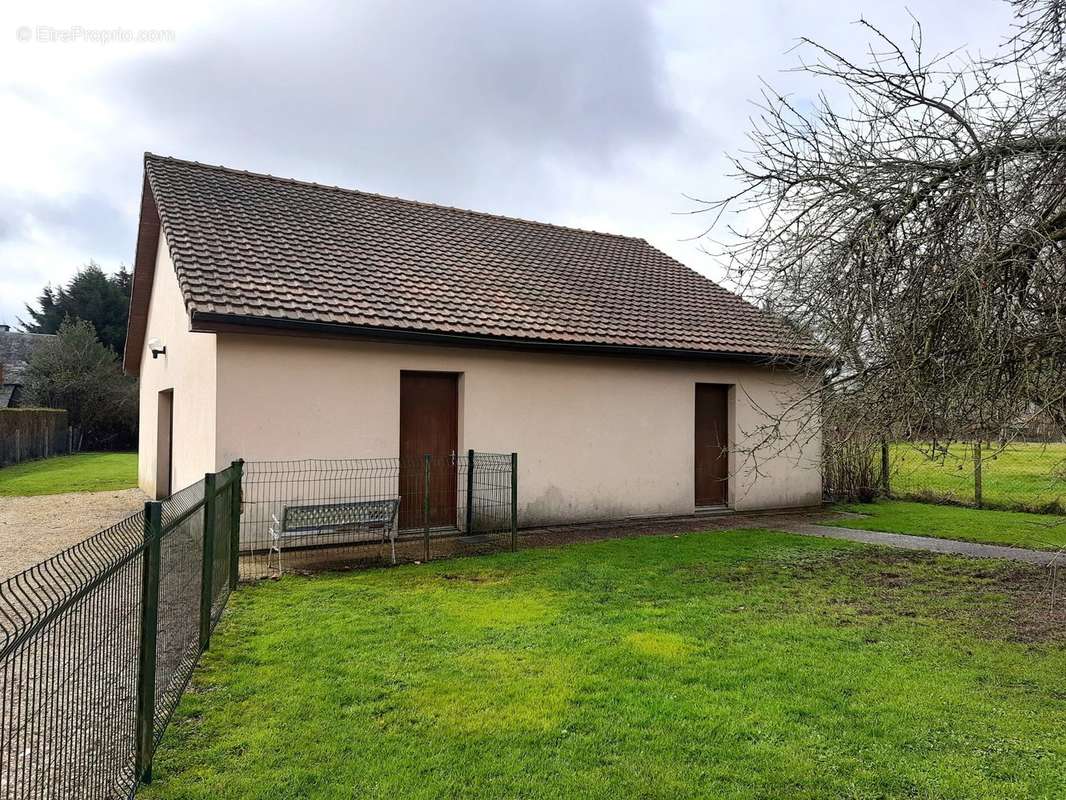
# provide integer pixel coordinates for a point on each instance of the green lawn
(1038, 531)
(744, 664)
(1022, 476)
(82, 472)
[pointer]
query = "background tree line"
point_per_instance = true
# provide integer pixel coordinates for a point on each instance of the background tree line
(80, 370)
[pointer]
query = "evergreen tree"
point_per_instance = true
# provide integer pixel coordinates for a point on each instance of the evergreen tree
(92, 295)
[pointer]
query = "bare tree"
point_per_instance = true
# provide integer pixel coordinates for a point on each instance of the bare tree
(917, 231)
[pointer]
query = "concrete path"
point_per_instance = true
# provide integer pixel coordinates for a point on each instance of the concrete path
(928, 543)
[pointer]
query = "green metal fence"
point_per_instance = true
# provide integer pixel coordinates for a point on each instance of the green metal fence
(98, 643)
(1024, 476)
(462, 504)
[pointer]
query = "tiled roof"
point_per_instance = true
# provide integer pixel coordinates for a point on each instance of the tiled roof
(256, 247)
(16, 349)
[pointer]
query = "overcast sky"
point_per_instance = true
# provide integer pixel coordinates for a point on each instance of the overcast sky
(598, 113)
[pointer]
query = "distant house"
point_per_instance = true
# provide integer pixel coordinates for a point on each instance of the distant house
(278, 319)
(1038, 425)
(16, 348)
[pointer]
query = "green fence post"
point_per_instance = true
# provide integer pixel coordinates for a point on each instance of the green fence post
(207, 570)
(235, 520)
(425, 503)
(153, 534)
(469, 492)
(514, 502)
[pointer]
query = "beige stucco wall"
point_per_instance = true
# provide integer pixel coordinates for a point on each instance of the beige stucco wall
(597, 437)
(189, 368)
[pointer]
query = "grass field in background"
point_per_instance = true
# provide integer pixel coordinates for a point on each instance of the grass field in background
(82, 472)
(744, 664)
(1013, 528)
(1021, 476)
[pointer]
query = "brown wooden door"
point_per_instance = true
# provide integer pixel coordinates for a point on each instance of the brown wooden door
(712, 444)
(429, 424)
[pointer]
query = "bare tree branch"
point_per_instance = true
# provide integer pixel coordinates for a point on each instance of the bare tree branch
(917, 231)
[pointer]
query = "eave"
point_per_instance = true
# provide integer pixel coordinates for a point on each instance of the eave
(229, 323)
(143, 278)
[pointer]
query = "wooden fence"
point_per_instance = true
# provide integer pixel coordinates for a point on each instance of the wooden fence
(28, 433)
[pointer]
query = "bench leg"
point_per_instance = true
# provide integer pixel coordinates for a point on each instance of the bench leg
(389, 536)
(274, 549)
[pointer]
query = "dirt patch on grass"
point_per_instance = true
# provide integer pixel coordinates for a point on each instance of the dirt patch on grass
(624, 529)
(473, 577)
(999, 600)
(412, 550)
(1034, 598)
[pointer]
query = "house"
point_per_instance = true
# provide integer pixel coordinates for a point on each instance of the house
(1038, 425)
(279, 319)
(16, 348)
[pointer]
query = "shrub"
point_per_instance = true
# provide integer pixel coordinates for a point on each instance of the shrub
(76, 372)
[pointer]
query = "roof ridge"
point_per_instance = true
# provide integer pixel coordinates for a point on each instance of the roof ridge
(394, 198)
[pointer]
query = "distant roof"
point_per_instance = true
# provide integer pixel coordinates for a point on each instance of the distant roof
(16, 347)
(254, 249)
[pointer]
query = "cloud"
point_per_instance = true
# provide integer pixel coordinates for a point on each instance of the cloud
(466, 103)
(599, 112)
(79, 219)
(449, 100)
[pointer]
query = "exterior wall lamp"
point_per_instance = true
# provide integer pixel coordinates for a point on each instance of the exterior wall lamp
(157, 347)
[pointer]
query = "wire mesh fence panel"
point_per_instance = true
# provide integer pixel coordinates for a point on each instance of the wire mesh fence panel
(326, 513)
(178, 631)
(74, 646)
(68, 669)
(487, 500)
(222, 542)
(1024, 476)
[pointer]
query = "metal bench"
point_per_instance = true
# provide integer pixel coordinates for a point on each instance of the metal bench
(356, 517)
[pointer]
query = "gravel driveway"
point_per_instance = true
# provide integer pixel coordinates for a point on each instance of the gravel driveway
(34, 528)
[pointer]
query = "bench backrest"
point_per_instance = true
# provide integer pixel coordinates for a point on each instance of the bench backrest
(335, 515)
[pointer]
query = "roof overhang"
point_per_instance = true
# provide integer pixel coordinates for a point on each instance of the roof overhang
(229, 323)
(151, 223)
(143, 277)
